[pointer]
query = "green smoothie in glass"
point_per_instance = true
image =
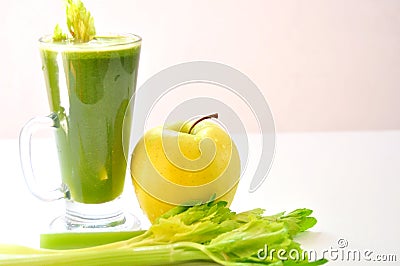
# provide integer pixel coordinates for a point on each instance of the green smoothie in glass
(89, 86)
(90, 80)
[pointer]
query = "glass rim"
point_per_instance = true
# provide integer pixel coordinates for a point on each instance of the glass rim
(128, 39)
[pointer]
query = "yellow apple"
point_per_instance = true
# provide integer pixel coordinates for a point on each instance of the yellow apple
(183, 164)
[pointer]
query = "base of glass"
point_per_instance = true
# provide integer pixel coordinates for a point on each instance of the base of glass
(95, 217)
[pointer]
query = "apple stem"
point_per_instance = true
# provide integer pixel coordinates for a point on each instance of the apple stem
(201, 119)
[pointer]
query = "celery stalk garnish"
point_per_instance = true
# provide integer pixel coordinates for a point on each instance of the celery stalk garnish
(80, 23)
(209, 232)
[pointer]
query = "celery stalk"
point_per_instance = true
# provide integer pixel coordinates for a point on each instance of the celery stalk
(80, 23)
(208, 232)
(62, 241)
(153, 255)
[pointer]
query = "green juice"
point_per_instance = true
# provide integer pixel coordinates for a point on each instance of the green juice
(89, 88)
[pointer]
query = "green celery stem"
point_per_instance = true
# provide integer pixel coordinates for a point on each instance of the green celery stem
(149, 255)
(63, 241)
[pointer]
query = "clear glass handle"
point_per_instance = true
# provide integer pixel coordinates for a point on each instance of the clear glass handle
(25, 156)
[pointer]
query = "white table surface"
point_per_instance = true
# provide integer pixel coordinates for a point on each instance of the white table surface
(350, 180)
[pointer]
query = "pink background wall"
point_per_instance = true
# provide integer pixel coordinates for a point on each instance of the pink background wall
(322, 65)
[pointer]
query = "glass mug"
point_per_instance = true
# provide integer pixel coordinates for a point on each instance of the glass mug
(89, 86)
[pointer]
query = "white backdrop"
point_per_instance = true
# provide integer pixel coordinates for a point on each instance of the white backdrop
(322, 65)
